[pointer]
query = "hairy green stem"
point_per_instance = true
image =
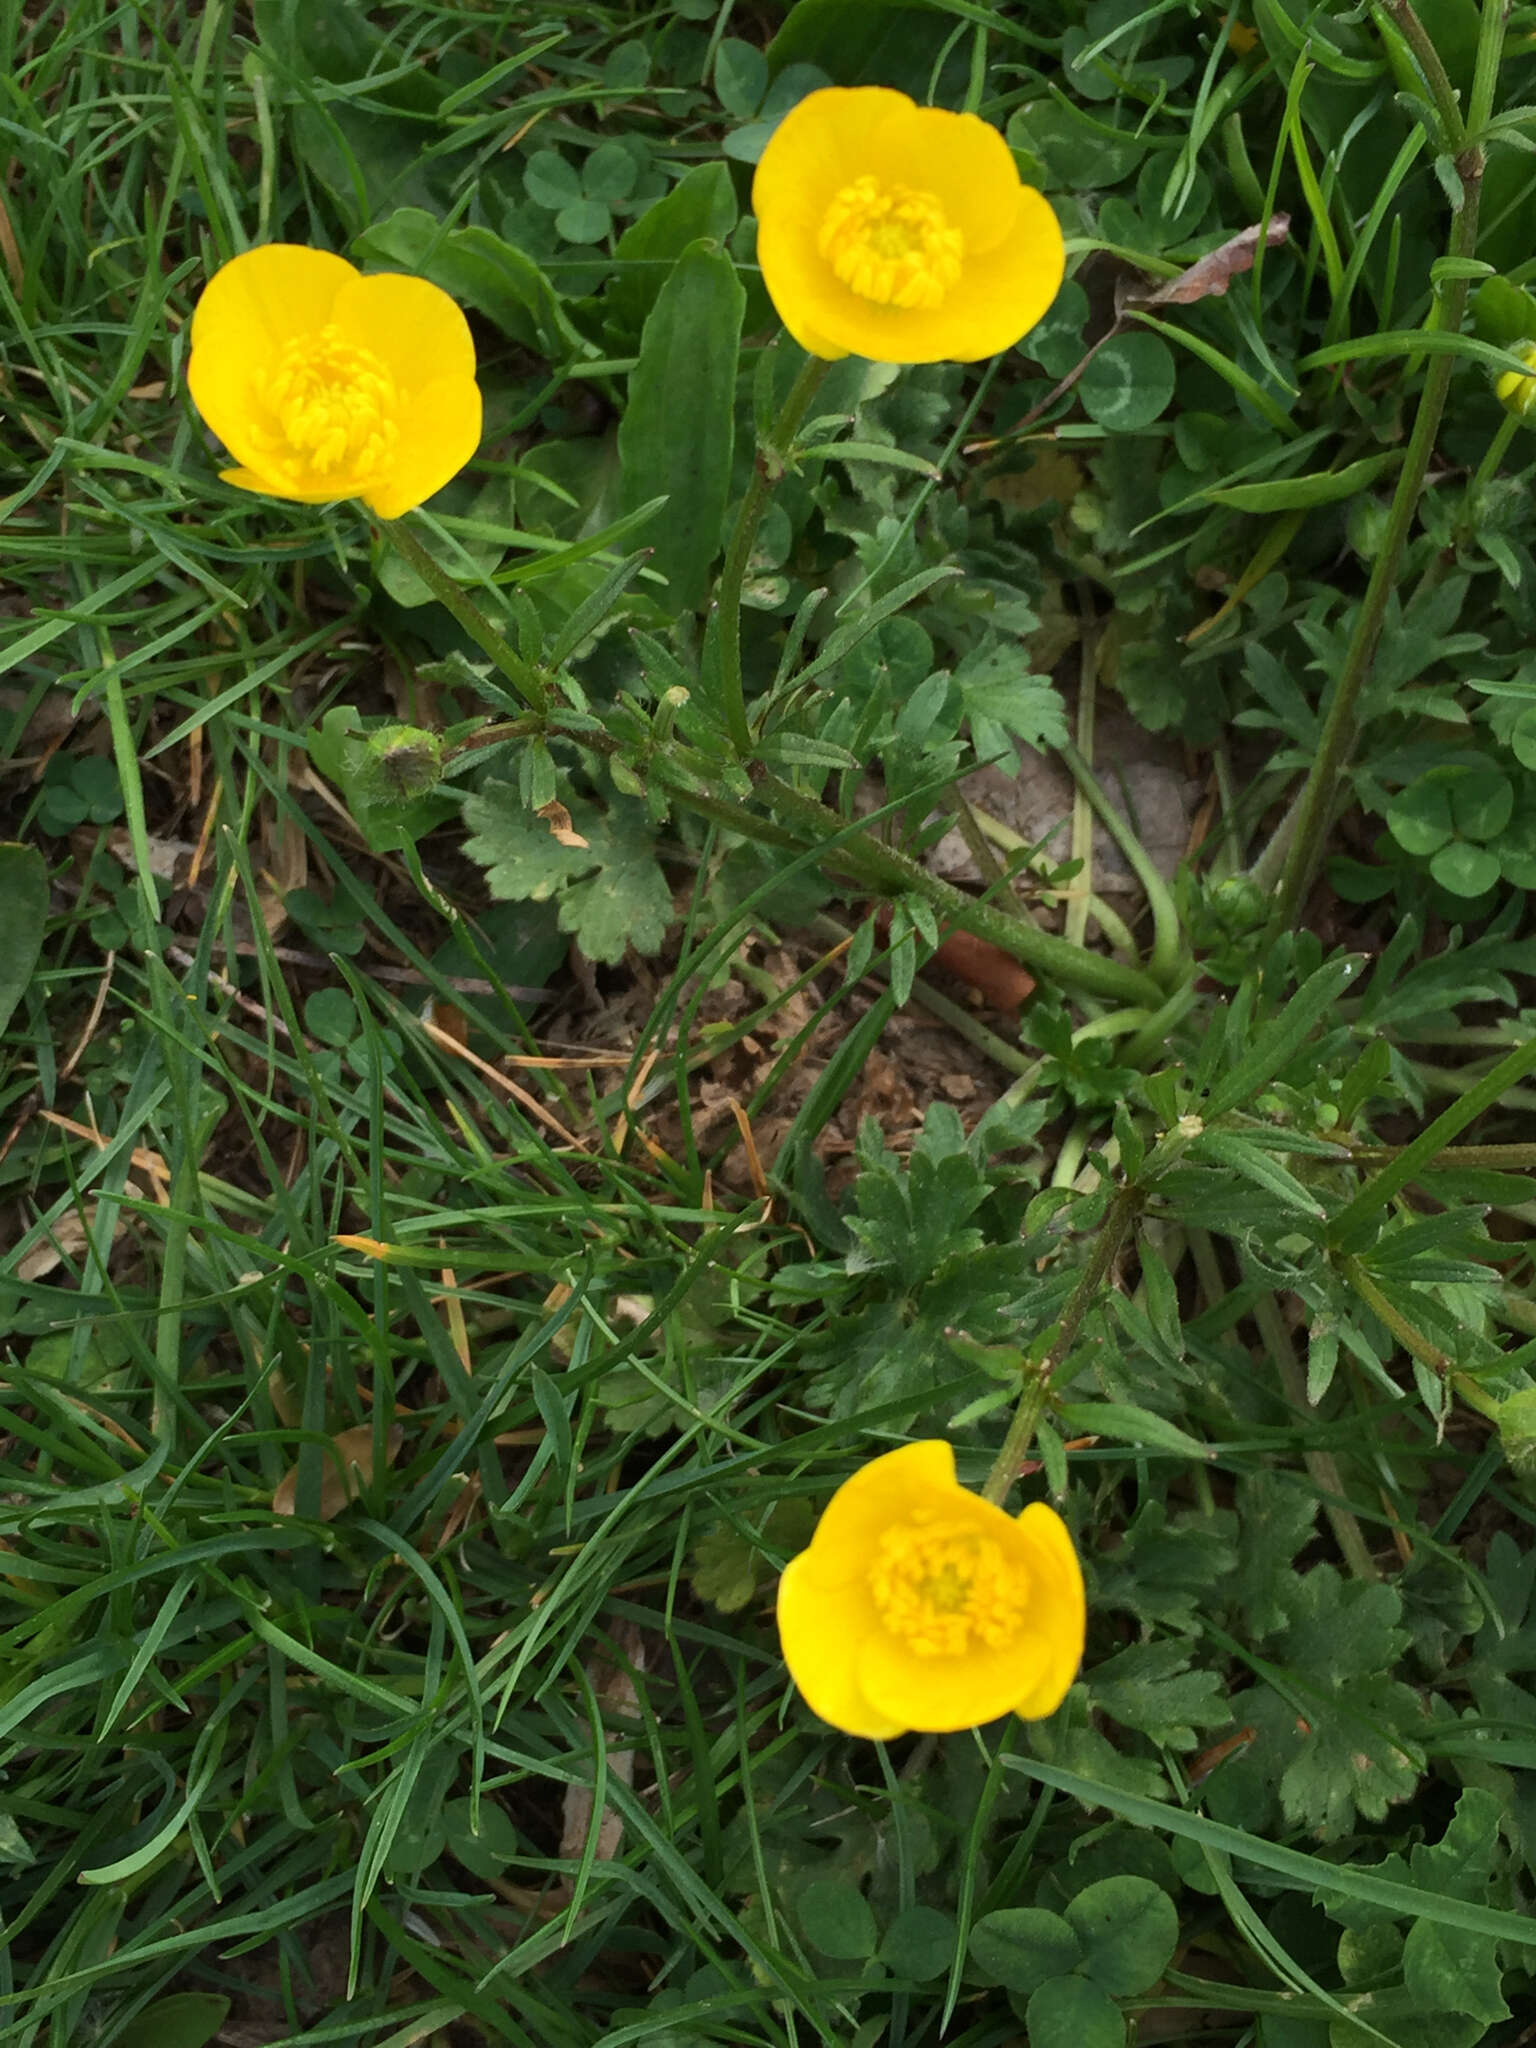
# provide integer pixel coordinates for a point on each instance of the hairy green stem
(1307, 824)
(1427, 57)
(766, 471)
(857, 852)
(1515, 1158)
(882, 866)
(522, 675)
(1414, 1342)
(854, 849)
(1110, 923)
(1026, 1418)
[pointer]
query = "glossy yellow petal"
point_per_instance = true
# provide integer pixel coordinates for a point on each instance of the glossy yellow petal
(900, 233)
(822, 144)
(439, 432)
(998, 299)
(821, 1633)
(268, 297)
(413, 327)
(886, 1490)
(1063, 1609)
(943, 1694)
(249, 312)
(280, 487)
(961, 160)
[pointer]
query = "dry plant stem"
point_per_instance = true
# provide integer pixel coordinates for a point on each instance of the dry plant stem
(1051, 958)
(1167, 952)
(1118, 1218)
(766, 471)
(1076, 927)
(1313, 809)
(1506, 1158)
(1110, 923)
(522, 675)
(1322, 1466)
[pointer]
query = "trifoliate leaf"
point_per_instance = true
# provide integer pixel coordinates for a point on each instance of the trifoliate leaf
(1129, 1929)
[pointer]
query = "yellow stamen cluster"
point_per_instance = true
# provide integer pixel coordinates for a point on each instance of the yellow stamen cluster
(333, 406)
(938, 1584)
(891, 244)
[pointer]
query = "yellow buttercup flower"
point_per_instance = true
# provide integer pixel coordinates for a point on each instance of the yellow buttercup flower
(1515, 393)
(900, 232)
(326, 384)
(922, 1606)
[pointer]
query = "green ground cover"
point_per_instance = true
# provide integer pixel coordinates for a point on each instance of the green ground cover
(414, 1373)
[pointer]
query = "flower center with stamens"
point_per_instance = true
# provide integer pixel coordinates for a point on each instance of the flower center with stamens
(891, 244)
(938, 1585)
(333, 405)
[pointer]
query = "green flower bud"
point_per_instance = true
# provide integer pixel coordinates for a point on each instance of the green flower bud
(403, 762)
(1516, 1417)
(1240, 905)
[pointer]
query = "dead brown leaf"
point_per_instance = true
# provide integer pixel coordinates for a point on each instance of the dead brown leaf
(558, 819)
(69, 1237)
(996, 975)
(286, 867)
(1209, 278)
(348, 1469)
(165, 855)
(614, 1687)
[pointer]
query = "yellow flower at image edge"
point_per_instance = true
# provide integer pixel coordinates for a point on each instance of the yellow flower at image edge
(1515, 393)
(921, 1606)
(901, 233)
(326, 384)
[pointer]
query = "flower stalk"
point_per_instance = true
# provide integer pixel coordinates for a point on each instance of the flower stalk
(1306, 824)
(1121, 1213)
(773, 457)
(522, 675)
